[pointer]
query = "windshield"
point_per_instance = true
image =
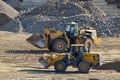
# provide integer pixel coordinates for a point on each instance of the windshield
(67, 27)
(72, 28)
(81, 49)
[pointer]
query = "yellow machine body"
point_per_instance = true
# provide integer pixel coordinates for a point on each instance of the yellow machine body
(53, 38)
(77, 58)
(50, 59)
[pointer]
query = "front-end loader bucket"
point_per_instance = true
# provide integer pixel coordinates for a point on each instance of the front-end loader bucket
(48, 60)
(43, 61)
(37, 40)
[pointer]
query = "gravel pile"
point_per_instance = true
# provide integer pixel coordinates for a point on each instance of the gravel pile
(14, 4)
(105, 27)
(55, 13)
(12, 25)
(56, 9)
(66, 9)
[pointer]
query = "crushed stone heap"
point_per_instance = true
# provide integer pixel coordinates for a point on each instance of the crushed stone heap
(55, 13)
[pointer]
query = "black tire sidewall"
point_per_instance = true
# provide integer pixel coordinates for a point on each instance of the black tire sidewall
(87, 65)
(56, 66)
(55, 45)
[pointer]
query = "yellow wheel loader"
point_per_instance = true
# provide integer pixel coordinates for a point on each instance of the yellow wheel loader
(80, 59)
(59, 41)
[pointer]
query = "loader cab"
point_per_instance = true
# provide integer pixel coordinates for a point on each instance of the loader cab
(71, 29)
(78, 47)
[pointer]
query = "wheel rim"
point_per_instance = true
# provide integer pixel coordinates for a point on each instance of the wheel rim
(83, 67)
(60, 46)
(60, 66)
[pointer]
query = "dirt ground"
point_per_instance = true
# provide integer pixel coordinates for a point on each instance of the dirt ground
(19, 61)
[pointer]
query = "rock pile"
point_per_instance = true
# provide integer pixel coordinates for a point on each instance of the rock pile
(55, 13)
(13, 3)
(66, 9)
(12, 25)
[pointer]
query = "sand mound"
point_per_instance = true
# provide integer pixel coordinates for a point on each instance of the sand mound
(8, 10)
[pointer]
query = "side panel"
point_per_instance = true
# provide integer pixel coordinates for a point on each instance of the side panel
(54, 58)
(61, 35)
(91, 57)
(56, 35)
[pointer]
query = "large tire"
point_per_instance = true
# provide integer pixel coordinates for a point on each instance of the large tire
(84, 67)
(59, 45)
(60, 66)
(88, 45)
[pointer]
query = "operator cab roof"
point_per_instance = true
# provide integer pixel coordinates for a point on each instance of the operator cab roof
(72, 23)
(77, 45)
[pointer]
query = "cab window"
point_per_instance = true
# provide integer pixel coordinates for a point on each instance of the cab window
(67, 27)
